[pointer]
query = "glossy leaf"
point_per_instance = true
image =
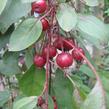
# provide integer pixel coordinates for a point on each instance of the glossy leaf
(85, 69)
(91, 2)
(32, 82)
(107, 100)
(78, 97)
(61, 1)
(63, 90)
(29, 58)
(15, 9)
(9, 64)
(2, 5)
(4, 97)
(93, 29)
(27, 33)
(67, 17)
(105, 82)
(104, 75)
(26, 103)
(95, 100)
(4, 38)
(50, 103)
(28, 1)
(79, 83)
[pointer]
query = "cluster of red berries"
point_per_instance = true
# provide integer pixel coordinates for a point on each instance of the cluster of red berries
(40, 7)
(64, 59)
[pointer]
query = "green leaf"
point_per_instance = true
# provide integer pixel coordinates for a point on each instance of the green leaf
(29, 57)
(19, 97)
(50, 103)
(93, 29)
(91, 2)
(28, 1)
(61, 1)
(95, 99)
(15, 9)
(79, 83)
(2, 5)
(78, 97)
(105, 79)
(4, 97)
(9, 64)
(76, 79)
(26, 34)
(85, 69)
(63, 90)
(107, 12)
(32, 82)
(105, 82)
(25, 103)
(67, 17)
(4, 38)
(107, 100)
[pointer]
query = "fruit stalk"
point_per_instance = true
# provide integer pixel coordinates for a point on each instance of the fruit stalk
(48, 71)
(47, 76)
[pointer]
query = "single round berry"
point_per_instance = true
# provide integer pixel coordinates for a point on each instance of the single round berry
(52, 51)
(39, 60)
(45, 24)
(39, 6)
(67, 46)
(76, 55)
(64, 60)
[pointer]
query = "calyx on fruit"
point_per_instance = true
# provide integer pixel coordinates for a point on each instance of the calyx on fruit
(64, 60)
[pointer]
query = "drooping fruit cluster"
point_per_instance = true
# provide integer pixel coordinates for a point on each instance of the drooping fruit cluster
(65, 59)
(40, 7)
(54, 49)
